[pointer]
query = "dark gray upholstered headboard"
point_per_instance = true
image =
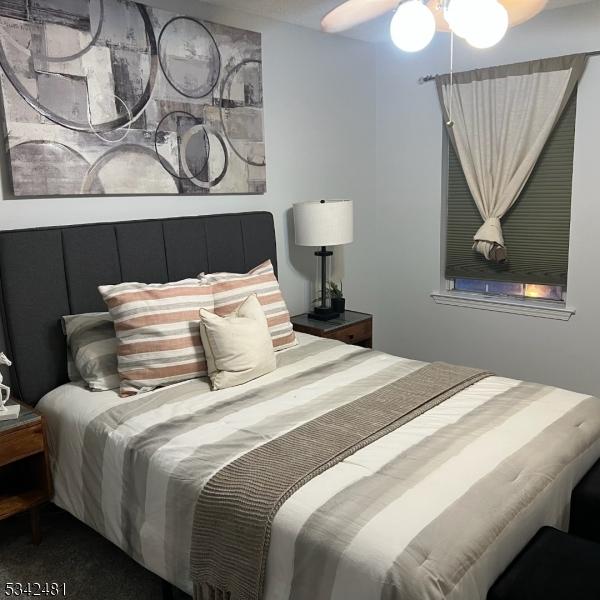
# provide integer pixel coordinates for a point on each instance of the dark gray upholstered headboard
(50, 272)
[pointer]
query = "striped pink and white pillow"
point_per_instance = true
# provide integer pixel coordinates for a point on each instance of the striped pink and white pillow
(157, 328)
(229, 290)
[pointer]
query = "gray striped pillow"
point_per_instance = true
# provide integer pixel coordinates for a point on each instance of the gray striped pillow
(92, 344)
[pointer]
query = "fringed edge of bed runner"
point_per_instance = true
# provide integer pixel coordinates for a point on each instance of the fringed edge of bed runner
(236, 508)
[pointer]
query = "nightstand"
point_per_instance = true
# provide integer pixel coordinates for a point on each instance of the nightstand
(25, 482)
(350, 327)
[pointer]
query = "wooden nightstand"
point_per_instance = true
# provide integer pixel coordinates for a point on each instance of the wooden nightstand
(25, 482)
(350, 327)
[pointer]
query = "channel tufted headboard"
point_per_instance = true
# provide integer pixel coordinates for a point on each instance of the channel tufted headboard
(50, 272)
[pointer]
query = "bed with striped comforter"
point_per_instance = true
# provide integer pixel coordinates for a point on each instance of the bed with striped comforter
(436, 509)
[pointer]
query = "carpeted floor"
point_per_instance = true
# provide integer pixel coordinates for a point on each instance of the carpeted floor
(71, 552)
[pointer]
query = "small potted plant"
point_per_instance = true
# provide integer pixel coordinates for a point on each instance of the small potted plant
(336, 293)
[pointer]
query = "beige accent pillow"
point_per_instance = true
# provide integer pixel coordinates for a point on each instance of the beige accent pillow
(238, 347)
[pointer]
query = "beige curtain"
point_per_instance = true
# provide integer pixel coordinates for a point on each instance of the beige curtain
(502, 118)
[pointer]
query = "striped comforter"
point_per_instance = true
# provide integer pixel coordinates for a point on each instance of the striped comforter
(436, 509)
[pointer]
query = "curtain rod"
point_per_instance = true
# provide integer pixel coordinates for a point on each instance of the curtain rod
(428, 78)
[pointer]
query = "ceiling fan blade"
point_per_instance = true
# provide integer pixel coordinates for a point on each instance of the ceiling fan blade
(355, 12)
(520, 11)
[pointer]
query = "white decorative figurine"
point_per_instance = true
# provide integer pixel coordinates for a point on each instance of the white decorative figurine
(6, 412)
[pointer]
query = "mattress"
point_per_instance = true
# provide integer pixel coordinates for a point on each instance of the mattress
(437, 509)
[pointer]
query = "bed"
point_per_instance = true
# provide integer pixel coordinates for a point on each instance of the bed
(436, 509)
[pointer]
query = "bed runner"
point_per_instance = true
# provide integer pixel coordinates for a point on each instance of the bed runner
(235, 510)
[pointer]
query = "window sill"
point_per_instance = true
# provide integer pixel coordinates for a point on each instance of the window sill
(529, 308)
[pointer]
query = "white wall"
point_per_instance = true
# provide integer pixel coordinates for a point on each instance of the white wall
(320, 134)
(409, 214)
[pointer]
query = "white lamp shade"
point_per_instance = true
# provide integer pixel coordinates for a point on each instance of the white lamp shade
(329, 223)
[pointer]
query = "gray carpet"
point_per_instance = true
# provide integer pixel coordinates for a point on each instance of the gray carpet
(71, 552)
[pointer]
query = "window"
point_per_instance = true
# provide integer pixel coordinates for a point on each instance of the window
(536, 229)
(523, 291)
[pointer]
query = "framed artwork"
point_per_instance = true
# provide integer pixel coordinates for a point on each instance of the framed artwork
(110, 97)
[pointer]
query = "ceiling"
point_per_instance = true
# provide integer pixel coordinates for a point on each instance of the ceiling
(308, 13)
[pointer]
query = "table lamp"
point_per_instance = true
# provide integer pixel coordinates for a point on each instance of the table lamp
(322, 224)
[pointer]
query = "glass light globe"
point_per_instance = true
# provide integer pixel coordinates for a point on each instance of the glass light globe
(413, 26)
(461, 16)
(492, 25)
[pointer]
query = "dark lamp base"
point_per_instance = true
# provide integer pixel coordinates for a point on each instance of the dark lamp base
(323, 314)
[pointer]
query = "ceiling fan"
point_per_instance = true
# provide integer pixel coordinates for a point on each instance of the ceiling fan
(482, 23)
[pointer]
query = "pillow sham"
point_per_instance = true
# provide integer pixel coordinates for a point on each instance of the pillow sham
(157, 329)
(229, 290)
(92, 348)
(72, 371)
(238, 347)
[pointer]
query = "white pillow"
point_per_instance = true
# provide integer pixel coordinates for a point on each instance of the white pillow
(238, 347)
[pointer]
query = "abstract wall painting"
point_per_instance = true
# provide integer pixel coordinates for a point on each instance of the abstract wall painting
(105, 97)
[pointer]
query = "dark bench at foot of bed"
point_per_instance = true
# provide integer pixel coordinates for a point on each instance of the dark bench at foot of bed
(553, 566)
(585, 506)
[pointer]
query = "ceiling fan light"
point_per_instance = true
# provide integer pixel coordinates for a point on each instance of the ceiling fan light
(413, 26)
(461, 16)
(492, 25)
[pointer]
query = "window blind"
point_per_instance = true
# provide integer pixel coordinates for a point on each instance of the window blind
(536, 229)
